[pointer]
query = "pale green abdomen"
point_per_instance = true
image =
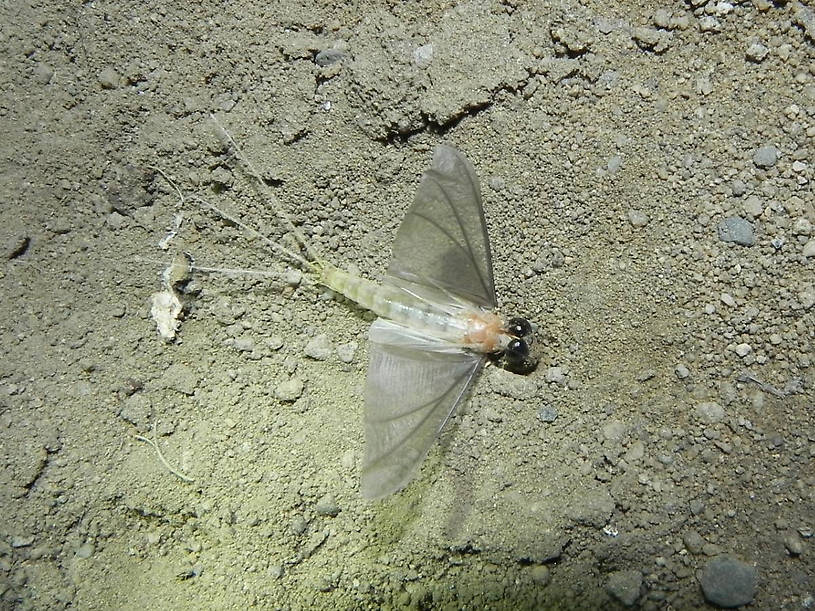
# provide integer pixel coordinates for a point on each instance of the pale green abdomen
(396, 304)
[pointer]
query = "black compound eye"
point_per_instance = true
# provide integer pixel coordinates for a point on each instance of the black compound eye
(519, 327)
(516, 351)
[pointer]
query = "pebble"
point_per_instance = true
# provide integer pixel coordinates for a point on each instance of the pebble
(614, 430)
(710, 412)
(85, 550)
(743, 349)
(694, 542)
(326, 57)
(738, 188)
(511, 385)
(556, 375)
(346, 352)
(765, 156)
(752, 206)
(625, 586)
(709, 23)
(809, 248)
(794, 545)
(756, 52)
(423, 55)
(727, 299)
(327, 506)
(541, 574)
(728, 582)
(637, 218)
(14, 245)
(290, 390)
(547, 414)
(318, 348)
(18, 541)
(243, 344)
(43, 73)
(109, 78)
(735, 229)
(802, 226)
(681, 371)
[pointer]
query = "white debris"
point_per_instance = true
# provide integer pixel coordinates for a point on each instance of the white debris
(166, 305)
(165, 311)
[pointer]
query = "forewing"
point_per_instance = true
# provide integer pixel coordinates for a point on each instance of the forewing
(414, 384)
(442, 241)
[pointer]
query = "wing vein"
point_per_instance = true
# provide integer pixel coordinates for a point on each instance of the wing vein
(487, 286)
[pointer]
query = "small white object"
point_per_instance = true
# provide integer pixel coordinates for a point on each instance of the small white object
(165, 310)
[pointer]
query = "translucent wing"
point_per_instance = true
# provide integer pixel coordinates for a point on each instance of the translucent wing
(442, 241)
(414, 384)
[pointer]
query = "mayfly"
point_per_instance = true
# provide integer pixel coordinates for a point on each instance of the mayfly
(437, 324)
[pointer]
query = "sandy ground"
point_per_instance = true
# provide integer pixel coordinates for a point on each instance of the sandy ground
(647, 177)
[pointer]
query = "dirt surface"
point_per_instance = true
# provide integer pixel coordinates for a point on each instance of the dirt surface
(647, 178)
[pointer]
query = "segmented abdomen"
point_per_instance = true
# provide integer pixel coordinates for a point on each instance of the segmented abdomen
(397, 305)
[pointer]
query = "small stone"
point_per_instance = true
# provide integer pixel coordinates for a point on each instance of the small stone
(738, 188)
(109, 78)
(743, 350)
(752, 206)
(662, 18)
(346, 352)
(709, 23)
(511, 385)
(293, 277)
(807, 297)
(693, 542)
(637, 218)
(43, 73)
(290, 390)
(243, 344)
(802, 226)
(18, 541)
(625, 586)
(614, 430)
(327, 506)
(14, 245)
(775, 339)
(422, 56)
(681, 371)
(735, 229)
(728, 582)
(540, 574)
(727, 299)
(556, 375)
(547, 414)
(794, 545)
(756, 52)
(809, 248)
(766, 156)
(318, 348)
(326, 57)
(710, 412)
(85, 550)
